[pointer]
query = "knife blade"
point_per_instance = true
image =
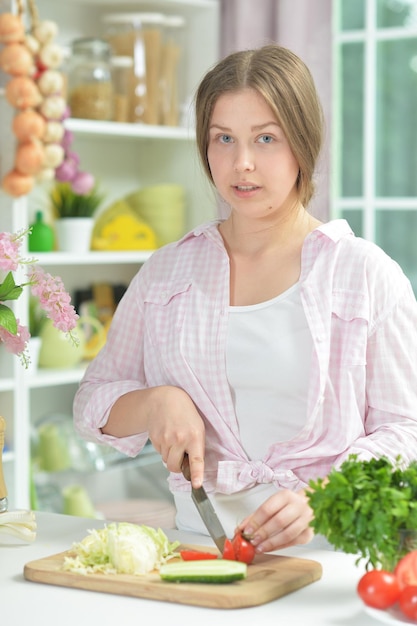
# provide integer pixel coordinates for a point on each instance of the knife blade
(205, 508)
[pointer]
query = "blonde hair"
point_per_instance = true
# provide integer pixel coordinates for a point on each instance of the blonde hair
(287, 85)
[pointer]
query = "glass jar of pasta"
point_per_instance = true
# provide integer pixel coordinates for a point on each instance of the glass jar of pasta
(139, 36)
(90, 86)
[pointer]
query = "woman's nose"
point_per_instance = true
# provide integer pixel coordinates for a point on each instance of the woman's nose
(244, 161)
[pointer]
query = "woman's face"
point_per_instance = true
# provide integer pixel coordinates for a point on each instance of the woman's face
(250, 159)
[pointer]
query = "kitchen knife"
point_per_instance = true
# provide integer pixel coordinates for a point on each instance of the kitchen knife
(205, 508)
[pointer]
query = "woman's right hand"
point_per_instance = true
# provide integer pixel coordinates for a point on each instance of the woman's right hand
(175, 427)
(171, 420)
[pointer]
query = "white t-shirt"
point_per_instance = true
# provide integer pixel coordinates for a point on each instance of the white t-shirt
(268, 363)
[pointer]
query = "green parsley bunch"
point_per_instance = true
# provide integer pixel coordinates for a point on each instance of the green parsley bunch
(365, 507)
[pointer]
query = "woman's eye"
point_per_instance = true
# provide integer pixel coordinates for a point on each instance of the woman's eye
(225, 139)
(266, 139)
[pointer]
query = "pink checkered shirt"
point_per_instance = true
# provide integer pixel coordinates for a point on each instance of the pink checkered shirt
(171, 327)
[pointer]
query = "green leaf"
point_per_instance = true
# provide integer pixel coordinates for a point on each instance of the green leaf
(66, 203)
(8, 319)
(363, 507)
(8, 289)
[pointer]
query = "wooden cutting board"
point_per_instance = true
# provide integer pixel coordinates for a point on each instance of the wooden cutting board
(269, 577)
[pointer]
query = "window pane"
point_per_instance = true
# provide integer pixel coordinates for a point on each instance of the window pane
(352, 14)
(354, 217)
(396, 234)
(352, 119)
(396, 119)
(394, 13)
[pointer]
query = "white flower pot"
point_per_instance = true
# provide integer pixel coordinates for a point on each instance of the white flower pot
(74, 234)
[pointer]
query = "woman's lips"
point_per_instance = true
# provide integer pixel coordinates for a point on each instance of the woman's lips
(245, 190)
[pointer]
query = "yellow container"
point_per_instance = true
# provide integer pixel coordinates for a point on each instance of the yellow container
(163, 208)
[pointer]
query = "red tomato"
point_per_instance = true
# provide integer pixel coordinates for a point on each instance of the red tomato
(408, 602)
(229, 551)
(244, 550)
(196, 555)
(239, 549)
(379, 589)
(406, 570)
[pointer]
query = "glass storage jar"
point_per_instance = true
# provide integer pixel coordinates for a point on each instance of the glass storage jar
(172, 78)
(121, 69)
(90, 87)
(140, 36)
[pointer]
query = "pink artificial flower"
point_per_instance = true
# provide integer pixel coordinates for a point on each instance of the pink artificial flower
(10, 250)
(82, 183)
(15, 344)
(66, 113)
(67, 139)
(73, 156)
(66, 171)
(53, 299)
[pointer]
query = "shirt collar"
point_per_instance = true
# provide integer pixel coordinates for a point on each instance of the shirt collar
(335, 229)
(209, 229)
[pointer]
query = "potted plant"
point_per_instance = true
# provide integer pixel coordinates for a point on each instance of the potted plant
(74, 214)
(368, 508)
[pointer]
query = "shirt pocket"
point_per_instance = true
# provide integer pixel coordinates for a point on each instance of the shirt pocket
(165, 309)
(349, 330)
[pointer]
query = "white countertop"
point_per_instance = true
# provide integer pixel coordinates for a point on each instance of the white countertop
(329, 601)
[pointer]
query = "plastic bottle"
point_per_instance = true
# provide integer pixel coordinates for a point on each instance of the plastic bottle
(42, 238)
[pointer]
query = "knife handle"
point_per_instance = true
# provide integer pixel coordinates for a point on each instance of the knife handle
(185, 467)
(3, 489)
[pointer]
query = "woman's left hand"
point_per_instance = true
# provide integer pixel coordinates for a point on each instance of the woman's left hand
(281, 521)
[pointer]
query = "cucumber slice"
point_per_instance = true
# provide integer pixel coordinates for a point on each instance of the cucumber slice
(210, 571)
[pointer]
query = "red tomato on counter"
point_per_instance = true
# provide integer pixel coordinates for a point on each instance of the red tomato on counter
(408, 602)
(406, 570)
(379, 589)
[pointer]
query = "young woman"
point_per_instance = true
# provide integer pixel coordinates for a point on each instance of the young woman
(266, 345)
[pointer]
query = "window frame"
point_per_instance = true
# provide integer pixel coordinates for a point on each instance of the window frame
(368, 203)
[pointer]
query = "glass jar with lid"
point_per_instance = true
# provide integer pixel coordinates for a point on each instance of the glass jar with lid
(90, 87)
(172, 78)
(140, 36)
(121, 71)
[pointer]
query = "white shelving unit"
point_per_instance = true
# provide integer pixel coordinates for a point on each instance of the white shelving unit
(124, 157)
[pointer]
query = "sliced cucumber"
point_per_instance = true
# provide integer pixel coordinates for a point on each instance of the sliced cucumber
(210, 571)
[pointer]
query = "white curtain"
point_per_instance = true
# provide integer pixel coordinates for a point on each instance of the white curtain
(304, 26)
